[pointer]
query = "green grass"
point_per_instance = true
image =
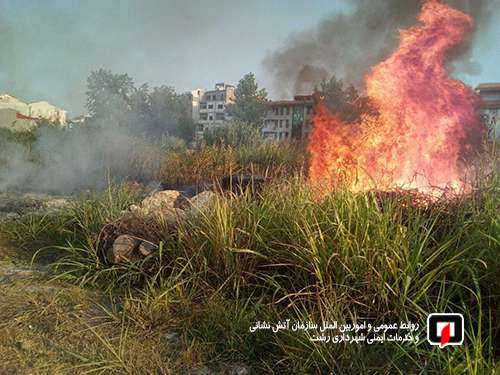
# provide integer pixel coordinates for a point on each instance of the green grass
(290, 255)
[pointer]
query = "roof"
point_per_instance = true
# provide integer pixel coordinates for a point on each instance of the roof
(289, 102)
(488, 87)
(10, 99)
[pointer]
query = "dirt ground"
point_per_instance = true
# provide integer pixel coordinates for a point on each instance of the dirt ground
(50, 327)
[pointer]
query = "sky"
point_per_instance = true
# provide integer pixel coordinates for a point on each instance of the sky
(50, 47)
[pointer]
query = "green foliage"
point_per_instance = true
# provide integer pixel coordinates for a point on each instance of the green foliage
(113, 100)
(108, 94)
(234, 133)
(346, 102)
(250, 102)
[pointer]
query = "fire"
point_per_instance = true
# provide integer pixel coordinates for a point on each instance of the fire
(426, 124)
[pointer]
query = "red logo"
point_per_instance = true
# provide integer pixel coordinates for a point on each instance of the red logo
(445, 329)
(445, 335)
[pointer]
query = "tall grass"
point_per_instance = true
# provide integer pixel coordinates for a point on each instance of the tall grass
(187, 167)
(286, 254)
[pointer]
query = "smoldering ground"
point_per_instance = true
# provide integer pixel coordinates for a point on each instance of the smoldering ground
(347, 45)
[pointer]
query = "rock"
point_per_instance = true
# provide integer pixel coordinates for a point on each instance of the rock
(147, 248)
(192, 190)
(199, 202)
(203, 200)
(160, 203)
(124, 249)
(134, 208)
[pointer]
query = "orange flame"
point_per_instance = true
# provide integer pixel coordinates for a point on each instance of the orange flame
(426, 123)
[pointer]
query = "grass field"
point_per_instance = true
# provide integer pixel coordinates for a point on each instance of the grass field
(286, 254)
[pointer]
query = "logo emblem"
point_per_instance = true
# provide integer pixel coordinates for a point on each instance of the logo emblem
(445, 329)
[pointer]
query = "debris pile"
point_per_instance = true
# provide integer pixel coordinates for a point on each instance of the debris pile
(125, 240)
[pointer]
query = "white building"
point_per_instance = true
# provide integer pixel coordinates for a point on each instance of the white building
(288, 119)
(47, 111)
(209, 107)
(490, 106)
(14, 111)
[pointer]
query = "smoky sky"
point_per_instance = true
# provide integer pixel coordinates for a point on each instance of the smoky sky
(48, 48)
(347, 45)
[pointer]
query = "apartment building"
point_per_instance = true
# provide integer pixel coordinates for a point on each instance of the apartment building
(490, 106)
(288, 119)
(209, 107)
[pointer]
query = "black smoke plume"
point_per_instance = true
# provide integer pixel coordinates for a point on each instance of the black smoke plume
(347, 45)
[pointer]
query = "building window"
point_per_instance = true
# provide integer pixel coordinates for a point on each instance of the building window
(276, 110)
(281, 111)
(203, 106)
(210, 106)
(287, 123)
(200, 127)
(219, 116)
(203, 117)
(210, 118)
(309, 110)
(287, 111)
(220, 106)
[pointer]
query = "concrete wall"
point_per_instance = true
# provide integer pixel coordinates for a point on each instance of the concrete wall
(9, 120)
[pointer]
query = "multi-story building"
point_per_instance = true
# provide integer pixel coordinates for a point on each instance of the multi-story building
(288, 119)
(209, 107)
(490, 106)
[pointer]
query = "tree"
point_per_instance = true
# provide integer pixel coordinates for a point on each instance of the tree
(171, 113)
(108, 94)
(113, 100)
(347, 103)
(250, 102)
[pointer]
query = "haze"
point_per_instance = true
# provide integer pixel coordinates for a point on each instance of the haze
(50, 47)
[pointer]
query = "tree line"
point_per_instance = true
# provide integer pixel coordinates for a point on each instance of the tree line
(158, 111)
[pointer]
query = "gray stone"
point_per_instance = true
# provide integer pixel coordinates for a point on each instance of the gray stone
(124, 249)
(147, 248)
(160, 204)
(199, 202)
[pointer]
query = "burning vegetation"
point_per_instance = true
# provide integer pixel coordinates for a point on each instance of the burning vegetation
(426, 129)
